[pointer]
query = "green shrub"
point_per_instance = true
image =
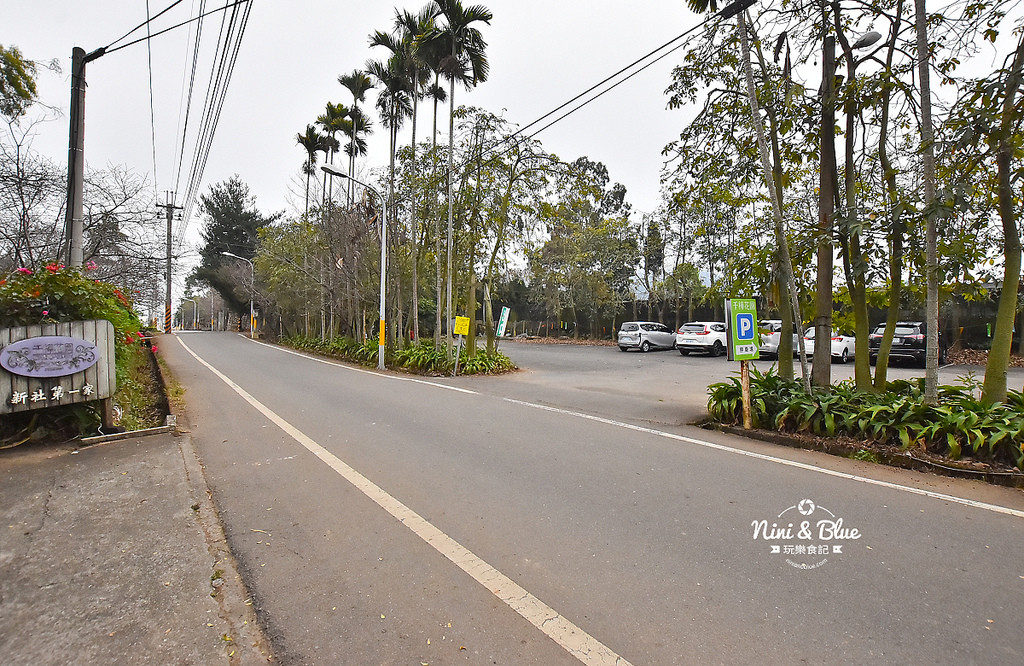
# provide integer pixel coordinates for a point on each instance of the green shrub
(422, 358)
(959, 424)
(60, 294)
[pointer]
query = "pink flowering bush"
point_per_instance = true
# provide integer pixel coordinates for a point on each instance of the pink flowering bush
(58, 294)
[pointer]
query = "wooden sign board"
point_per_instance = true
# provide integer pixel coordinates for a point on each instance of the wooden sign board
(47, 365)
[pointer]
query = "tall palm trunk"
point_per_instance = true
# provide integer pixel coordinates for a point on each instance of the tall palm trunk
(451, 176)
(437, 234)
(414, 311)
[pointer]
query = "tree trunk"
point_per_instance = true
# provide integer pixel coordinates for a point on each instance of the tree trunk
(773, 183)
(931, 373)
(1002, 338)
(896, 227)
(821, 370)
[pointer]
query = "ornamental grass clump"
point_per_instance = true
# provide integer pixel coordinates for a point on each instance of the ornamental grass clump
(959, 425)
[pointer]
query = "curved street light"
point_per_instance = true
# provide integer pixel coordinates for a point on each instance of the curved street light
(195, 313)
(335, 171)
(252, 290)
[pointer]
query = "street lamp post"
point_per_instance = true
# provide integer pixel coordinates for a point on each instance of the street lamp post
(195, 312)
(333, 170)
(252, 290)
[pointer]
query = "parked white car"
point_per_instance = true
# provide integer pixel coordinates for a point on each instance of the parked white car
(843, 346)
(771, 335)
(645, 336)
(702, 336)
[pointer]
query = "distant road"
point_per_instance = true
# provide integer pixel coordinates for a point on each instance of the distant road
(567, 514)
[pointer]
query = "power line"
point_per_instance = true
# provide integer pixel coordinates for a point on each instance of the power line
(493, 150)
(174, 27)
(146, 23)
(216, 96)
(152, 111)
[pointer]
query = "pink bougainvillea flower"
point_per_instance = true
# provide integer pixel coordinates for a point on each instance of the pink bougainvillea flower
(46, 312)
(154, 348)
(25, 271)
(53, 268)
(91, 266)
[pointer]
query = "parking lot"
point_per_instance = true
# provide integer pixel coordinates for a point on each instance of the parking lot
(658, 386)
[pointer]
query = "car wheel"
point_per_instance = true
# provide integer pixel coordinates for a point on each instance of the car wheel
(621, 348)
(684, 352)
(716, 349)
(645, 346)
(845, 356)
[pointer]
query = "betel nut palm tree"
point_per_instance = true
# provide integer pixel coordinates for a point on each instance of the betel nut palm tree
(465, 61)
(312, 141)
(333, 120)
(358, 84)
(405, 43)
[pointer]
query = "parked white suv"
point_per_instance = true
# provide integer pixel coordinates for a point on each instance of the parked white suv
(645, 336)
(771, 337)
(702, 336)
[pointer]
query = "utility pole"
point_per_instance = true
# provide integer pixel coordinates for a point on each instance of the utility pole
(169, 207)
(76, 155)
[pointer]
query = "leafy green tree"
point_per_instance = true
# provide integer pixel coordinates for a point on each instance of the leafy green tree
(990, 130)
(232, 225)
(586, 264)
(17, 82)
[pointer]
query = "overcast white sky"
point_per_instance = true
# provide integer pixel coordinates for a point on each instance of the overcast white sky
(542, 52)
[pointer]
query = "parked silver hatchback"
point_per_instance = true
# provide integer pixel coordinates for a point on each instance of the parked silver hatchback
(645, 336)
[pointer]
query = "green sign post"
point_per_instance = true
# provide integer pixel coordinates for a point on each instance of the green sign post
(741, 314)
(742, 317)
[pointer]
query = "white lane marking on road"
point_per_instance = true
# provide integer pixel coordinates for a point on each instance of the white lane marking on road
(570, 637)
(718, 447)
(781, 461)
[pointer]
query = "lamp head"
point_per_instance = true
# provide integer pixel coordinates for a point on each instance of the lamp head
(333, 170)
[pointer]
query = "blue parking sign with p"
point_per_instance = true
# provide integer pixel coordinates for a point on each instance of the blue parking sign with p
(744, 326)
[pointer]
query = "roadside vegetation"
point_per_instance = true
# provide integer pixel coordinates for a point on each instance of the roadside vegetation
(960, 425)
(848, 164)
(59, 294)
(422, 358)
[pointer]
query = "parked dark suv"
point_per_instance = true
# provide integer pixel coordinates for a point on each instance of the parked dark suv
(908, 342)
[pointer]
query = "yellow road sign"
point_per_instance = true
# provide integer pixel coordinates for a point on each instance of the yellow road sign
(462, 326)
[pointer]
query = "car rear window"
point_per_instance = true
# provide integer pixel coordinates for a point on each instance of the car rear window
(693, 328)
(629, 327)
(906, 330)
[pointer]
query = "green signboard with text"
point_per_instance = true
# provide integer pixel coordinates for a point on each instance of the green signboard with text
(741, 314)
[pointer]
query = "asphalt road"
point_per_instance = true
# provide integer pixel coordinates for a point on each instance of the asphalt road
(567, 513)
